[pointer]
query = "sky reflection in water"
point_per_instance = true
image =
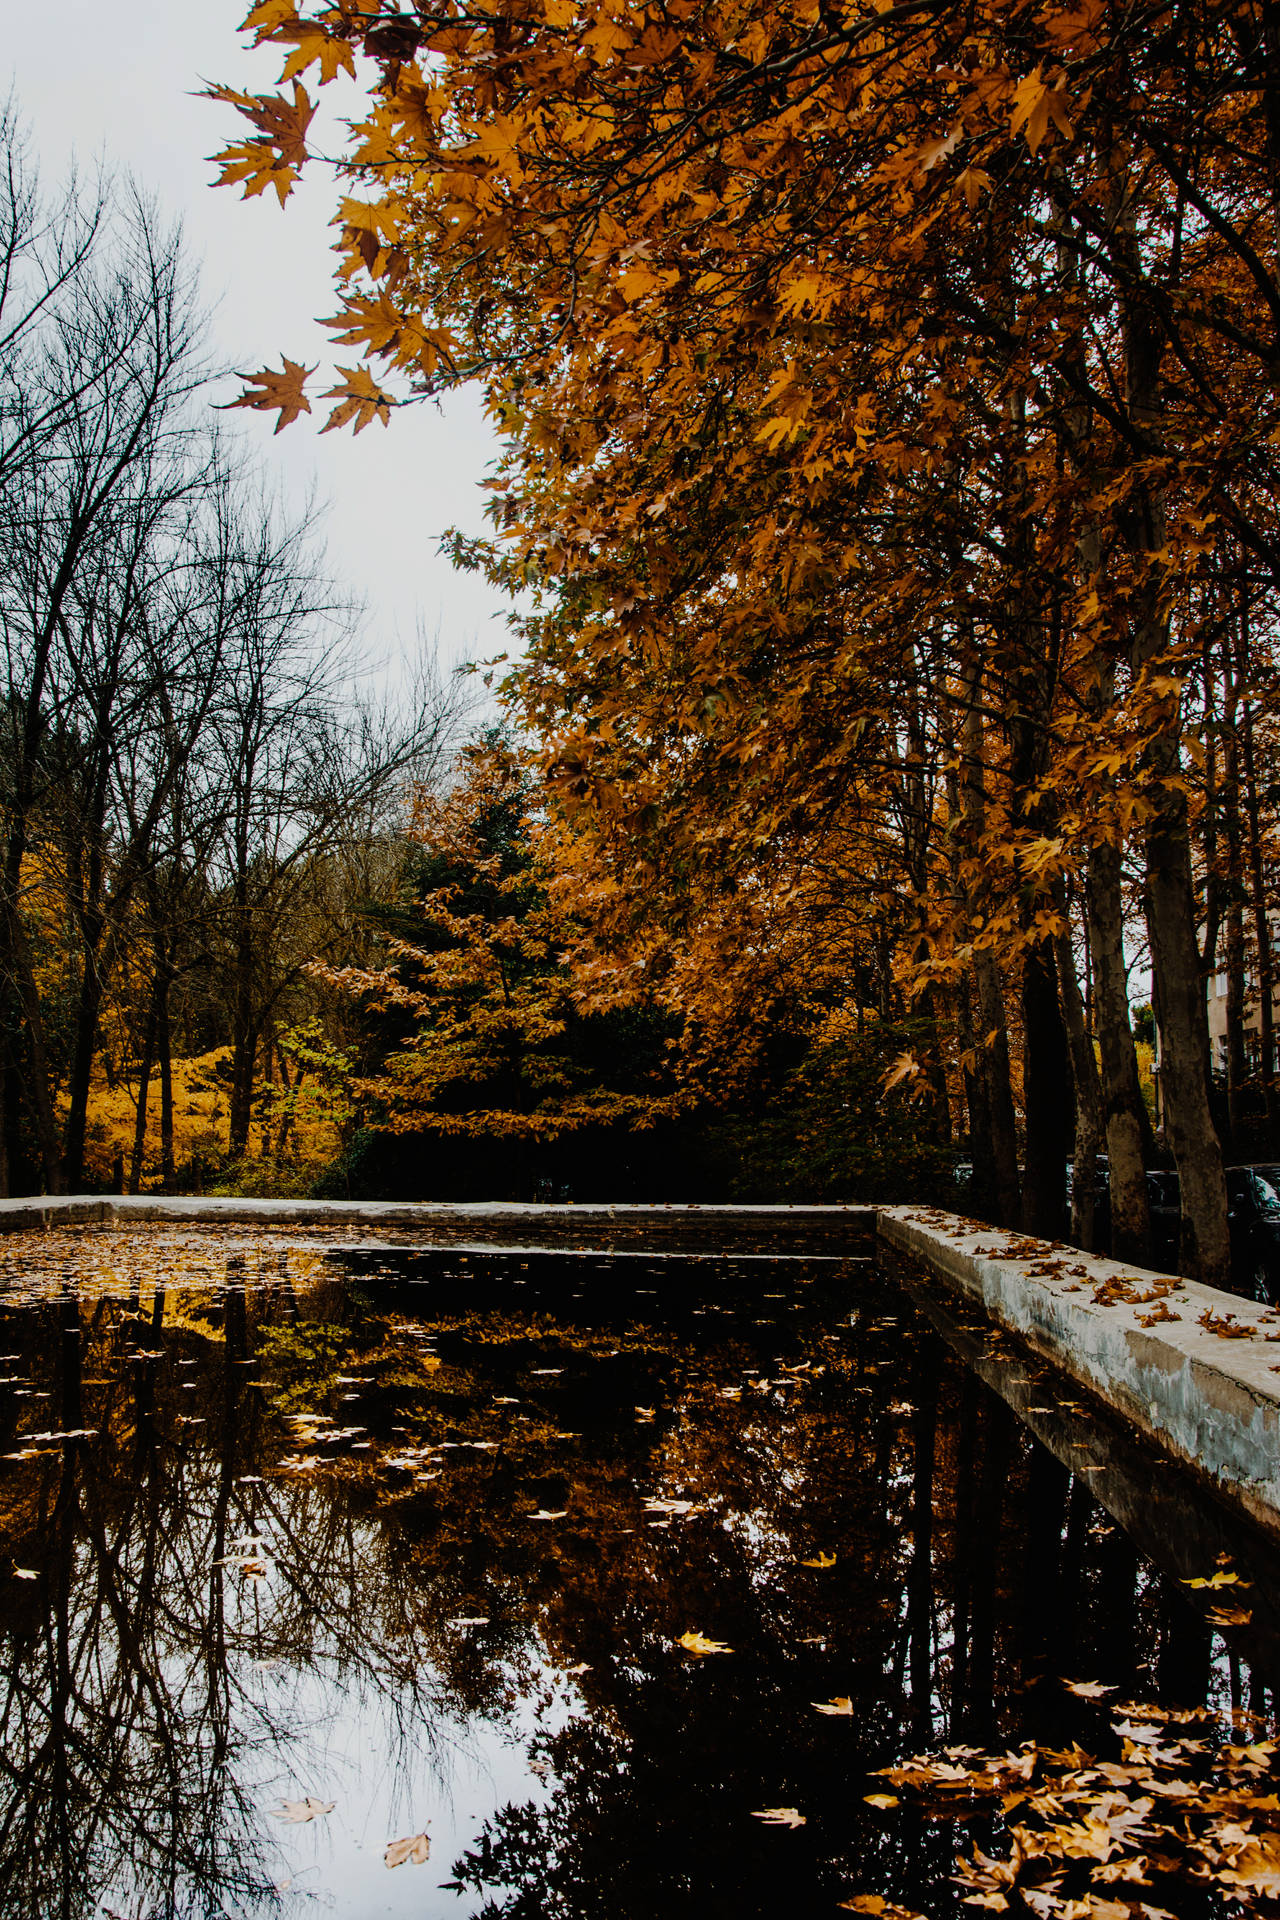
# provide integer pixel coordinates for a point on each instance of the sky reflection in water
(300, 1552)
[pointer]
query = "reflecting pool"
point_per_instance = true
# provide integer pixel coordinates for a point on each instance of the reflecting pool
(387, 1582)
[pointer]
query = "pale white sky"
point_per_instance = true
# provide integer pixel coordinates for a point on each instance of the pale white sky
(117, 82)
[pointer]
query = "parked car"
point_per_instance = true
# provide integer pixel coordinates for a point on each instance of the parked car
(1253, 1222)
(1101, 1202)
(1253, 1217)
(1165, 1201)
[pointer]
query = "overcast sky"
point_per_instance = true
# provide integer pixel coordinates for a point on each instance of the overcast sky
(117, 82)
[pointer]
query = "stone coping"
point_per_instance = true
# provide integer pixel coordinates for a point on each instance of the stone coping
(1196, 1369)
(441, 1221)
(1176, 1517)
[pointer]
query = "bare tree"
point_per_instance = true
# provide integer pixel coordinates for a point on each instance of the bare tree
(95, 393)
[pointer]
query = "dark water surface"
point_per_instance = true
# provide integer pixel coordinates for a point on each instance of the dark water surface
(419, 1535)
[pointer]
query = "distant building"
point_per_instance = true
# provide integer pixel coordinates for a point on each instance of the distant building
(1216, 1000)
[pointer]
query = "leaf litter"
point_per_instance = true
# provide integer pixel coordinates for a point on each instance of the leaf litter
(1187, 1806)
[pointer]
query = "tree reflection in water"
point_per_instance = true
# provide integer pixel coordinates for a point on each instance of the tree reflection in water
(304, 1471)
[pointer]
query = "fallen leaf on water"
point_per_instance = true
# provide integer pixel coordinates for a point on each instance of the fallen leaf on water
(779, 1817)
(1218, 1579)
(26, 1573)
(583, 1666)
(1087, 1689)
(877, 1904)
(417, 1849)
(1229, 1616)
(821, 1560)
(297, 1811)
(840, 1705)
(544, 1514)
(698, 1643)
(881, 1799)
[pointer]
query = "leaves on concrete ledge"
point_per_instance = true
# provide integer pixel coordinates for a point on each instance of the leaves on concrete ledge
(1226, 1326)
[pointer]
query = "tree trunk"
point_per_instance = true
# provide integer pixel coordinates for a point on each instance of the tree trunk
(1258, 913)
(1170, 896)
(286, 1108)
(36, 1081)
(244, 1055)
(977, 1101)
(1233, 955)
(168, 1170)
(1046, 1096)
(935, 1069)
(244, 1032)
(992, 1034)
(86, 1044)
(1121, 1093)
(1084, 1076)
(993, 1060)
(1184, 1051)
(1237, 1065)
(144, 1088)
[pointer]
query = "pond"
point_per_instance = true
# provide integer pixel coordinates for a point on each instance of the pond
(385, 1582)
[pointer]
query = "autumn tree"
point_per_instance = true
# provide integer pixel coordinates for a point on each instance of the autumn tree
(482, 1039)
(859, 370)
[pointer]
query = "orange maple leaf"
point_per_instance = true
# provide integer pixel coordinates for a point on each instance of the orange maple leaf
(361, 398)
(276, 157)
(276, 390)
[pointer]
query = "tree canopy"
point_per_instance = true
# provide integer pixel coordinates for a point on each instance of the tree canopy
(889, 420)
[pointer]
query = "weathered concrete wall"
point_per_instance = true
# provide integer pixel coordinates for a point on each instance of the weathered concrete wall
(1178, 1519)
(836, 1229)
(1143, 1342)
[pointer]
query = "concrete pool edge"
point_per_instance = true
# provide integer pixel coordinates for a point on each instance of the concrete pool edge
(820, 1228)
(1211, 1400)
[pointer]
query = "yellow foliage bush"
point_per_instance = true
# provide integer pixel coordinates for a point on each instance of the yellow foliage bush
(201, 1128)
